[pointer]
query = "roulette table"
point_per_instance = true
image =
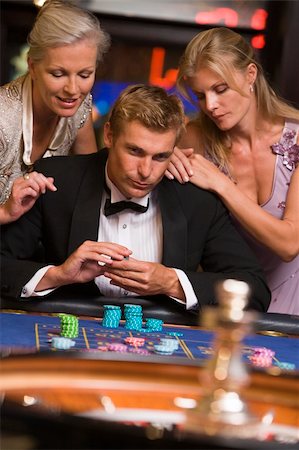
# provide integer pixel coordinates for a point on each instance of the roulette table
(90, 397)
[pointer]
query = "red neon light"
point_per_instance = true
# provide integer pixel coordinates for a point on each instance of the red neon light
(230, 18)
(259, 19)
(258, 41)
(156, 70)
(227, 15)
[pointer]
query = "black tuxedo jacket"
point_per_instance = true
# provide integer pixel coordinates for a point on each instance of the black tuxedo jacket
(197, 231)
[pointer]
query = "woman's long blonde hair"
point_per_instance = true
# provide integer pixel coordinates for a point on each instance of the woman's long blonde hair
(223, 51)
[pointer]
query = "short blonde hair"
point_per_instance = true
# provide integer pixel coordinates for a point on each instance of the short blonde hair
(152, 106)
(59, 23)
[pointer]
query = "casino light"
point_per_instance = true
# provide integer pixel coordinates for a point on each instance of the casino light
(259, 19)
(268, 418)
(39, 3)
(258, 41)
(185, 403)
(227, 15)
(107, 404)
(156, 70)
(231, 402)
(29, 401)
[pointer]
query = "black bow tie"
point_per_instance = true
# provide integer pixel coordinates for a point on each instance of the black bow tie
(113, 208)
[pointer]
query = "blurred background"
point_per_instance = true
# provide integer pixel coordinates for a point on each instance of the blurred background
(149, 36)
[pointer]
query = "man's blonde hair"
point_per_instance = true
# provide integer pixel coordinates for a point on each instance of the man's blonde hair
(152, 106)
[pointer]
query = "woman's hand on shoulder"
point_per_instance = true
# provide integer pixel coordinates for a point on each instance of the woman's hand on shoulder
(207, 176)
(190, 144)
(179, 166)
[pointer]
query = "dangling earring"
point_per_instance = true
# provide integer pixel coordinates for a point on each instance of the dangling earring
(251, 88)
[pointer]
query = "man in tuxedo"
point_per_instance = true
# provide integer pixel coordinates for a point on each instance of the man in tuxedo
(118, 225)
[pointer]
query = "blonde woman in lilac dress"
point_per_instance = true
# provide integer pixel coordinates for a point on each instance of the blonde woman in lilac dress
(243, 146)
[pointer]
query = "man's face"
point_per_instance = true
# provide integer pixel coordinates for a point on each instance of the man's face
(138, 157)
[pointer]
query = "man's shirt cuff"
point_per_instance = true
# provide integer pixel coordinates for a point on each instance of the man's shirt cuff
(191, 299)
(29, 288)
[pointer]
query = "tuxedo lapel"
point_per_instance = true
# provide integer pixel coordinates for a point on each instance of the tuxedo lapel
(85, 220)
(174, 226)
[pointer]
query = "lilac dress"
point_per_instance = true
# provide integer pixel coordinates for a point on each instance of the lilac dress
(282, 277)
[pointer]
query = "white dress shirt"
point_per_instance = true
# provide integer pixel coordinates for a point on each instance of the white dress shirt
(142, 233)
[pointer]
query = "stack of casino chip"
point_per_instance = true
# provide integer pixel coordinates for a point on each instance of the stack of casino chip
(117, 347)
(111, 316)
(262, 357)
(152, 325)
(175, 333)
(69, 325)
(138, 350)
(62, 343)
(135, 344)
(166, 346)
(135, 341)
(170, 343)
(133, 316)
(285, 365)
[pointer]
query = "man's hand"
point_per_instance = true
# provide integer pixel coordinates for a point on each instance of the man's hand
(25, 192)
(83, 265)
(144, 278)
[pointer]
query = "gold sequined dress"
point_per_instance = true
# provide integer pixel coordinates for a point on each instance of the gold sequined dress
(16, 123)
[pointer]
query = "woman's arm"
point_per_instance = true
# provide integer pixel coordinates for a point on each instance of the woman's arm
(85, 141)
(25, 192)
(280, 235)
